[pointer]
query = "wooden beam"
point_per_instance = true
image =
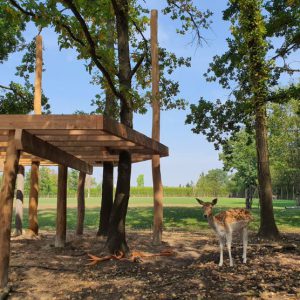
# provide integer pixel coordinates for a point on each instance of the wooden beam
(19, 200)
(80, 203)
(47, 122)
(156, 174)
(6, 206)
(40, 148)
(82, 138)
(61, 217)
(34, 198)
(38, 76)
(121, 143)
(133, 136)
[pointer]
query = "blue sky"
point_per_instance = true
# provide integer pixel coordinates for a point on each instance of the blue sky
(66, 83)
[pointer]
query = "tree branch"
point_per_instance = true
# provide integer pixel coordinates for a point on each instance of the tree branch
(134, 70)
(13, 90)
(92, 49)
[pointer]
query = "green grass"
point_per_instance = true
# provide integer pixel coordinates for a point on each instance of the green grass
(180, 213)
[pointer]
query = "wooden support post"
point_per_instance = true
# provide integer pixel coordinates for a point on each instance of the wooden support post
(157, 183)
(6, 206)
(61, 217)
(38, 76)
(19, 200)
(80, 203)
(34, 198)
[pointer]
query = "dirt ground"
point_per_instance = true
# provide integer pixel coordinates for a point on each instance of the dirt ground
(41, 271)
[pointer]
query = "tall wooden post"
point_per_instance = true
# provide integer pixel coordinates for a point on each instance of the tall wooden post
(34, 198)
(156, 175)
(19, 200)
(80, 203)
(6, 206)
(38, 76)
(61, 217)
(34, 178)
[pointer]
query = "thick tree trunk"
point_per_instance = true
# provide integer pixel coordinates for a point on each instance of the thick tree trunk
(116, 241)
(107, 198)
(61, 217)
(6, 206)
(34, 198)
(80, 203)
(19, 200)
(268, 228)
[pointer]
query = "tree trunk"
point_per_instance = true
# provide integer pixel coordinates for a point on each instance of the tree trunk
(80, 203)
(61, 217)
(116, 240)
(34, 198)
(107, 198)
(19, 200)
(6, 206)
(268, 228)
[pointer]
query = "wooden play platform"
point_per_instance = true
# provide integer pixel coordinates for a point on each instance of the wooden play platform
(76, 141)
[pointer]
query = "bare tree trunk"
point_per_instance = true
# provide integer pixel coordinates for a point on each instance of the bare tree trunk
(34, 198)
(19, 200)
(80, 203)
(268, 228)
(107, 198)
(6, 206)
(61, 217)
(116, 239)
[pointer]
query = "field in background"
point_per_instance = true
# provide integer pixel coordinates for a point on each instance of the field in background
(180, 213)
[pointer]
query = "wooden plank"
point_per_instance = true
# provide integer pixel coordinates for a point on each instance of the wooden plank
(121, 143)
(34, 199)
(80, 138)
(67, 132)
(61, 217)
(133, 136)
(6, 206)
(38, 147)
(48, 122)
(80, 203)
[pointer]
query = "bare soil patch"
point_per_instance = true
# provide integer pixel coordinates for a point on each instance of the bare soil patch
(40, 271)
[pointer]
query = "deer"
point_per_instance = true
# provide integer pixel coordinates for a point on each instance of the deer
(225, 224)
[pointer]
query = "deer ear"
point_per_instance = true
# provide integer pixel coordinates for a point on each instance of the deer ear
(200, 201)
(214, 202)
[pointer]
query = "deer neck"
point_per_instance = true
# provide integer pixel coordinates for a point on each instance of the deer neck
(211, 221)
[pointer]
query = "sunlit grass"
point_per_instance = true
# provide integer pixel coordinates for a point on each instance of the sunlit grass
(179, 213)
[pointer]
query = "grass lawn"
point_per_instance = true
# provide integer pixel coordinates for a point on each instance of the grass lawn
(179, 213)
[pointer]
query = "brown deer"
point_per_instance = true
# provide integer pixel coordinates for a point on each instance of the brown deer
(225, 223)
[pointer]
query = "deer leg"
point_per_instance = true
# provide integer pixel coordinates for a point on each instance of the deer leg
(229, 240)
(221, 251)
(245, 244)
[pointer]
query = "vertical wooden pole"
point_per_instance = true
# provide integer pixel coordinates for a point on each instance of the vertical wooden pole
(34, 198)
(80, 203)
(61, 217)
(156, 174)
(6, 206)
(19, 200)
(38, 76)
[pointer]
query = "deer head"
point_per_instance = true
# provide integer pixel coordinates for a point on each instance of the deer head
(207, 206)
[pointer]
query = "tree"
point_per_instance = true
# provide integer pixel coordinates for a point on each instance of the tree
(244, 64)
(140, 180)
(16, 98)
(79, 27)
(214, 183)
(48, 181)
(72, 180)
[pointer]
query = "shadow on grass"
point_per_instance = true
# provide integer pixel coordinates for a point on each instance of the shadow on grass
(175, 218)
